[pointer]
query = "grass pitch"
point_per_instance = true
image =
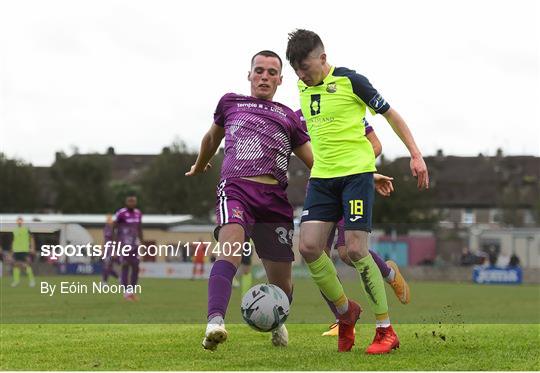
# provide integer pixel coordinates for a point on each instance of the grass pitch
(178, 347)
(446, 327)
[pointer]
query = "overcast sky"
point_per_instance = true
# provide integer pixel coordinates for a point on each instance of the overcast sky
(137, 75)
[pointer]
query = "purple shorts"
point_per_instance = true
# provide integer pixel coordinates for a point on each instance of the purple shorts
(263, 211)
(340, 227)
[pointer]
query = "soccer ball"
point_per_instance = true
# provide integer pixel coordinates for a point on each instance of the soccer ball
(265, 307)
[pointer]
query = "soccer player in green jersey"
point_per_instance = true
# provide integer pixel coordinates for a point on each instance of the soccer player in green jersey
(334, 102)
(21, 246)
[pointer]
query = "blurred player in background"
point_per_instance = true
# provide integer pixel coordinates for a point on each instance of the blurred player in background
(128, 231)
(22, 246)
(260, 135)
(333, 102)
(110, 260)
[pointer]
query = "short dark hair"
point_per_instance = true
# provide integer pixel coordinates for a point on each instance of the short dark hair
(267, 53)
(301, 44)
(131, 193)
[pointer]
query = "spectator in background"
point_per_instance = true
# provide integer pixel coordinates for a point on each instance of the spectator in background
(503, 260)
(185, 257)
(467, 258)
(492, 255)
(514, 261)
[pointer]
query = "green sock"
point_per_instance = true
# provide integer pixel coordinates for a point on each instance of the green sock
(373, 284)
(30, 273)
(16, 274)
(245, 282)
(324, 274)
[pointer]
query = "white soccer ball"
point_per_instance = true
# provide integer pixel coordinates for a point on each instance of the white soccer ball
(265, 307)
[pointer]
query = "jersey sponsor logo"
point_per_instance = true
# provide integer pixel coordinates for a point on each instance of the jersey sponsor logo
(315, 105)
(237, 213)
(331, 87)
(377, 102)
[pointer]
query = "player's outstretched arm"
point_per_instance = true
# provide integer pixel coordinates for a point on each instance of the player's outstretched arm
(418, 166)
(209, 146)
(383, 184)
(305, 154)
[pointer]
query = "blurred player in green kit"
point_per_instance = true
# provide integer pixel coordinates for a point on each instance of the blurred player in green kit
(22, 246)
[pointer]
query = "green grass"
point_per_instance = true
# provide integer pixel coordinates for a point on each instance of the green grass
(177, 347)
(166, 301)
(447, 326)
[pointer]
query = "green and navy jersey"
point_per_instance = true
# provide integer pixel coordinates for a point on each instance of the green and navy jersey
(334, 112)
(21, 240)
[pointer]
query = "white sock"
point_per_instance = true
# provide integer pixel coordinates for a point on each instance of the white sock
(383, 323)
(343, 308)
(217, 319)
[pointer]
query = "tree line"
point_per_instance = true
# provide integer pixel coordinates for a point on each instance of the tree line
(83, 183)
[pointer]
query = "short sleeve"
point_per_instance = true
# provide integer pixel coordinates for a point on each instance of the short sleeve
(221, 108)
(363, 89)
(119, 217)
(299, 135)
(301, 119)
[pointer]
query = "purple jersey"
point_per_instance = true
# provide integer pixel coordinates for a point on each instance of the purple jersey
(128, 223)
(259, 136)
(107, 233)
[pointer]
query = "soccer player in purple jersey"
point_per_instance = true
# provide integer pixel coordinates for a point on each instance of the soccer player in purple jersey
(128, 231)
(260, 135)
(108, 262)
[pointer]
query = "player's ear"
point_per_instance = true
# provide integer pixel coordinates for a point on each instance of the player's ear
(249, 76)
(323, 58)
(280, 80)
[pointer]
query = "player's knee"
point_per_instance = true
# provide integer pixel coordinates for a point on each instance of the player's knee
(344, 256)
(357, 244)
(231, 233)
(309, 249)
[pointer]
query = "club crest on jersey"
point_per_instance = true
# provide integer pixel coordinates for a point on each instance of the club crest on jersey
(239, 214)
(331, 87)
(315, 105)
(377, 102)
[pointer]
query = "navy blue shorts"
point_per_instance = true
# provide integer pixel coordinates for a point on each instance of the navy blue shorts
(20, 257)
(349, 197)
